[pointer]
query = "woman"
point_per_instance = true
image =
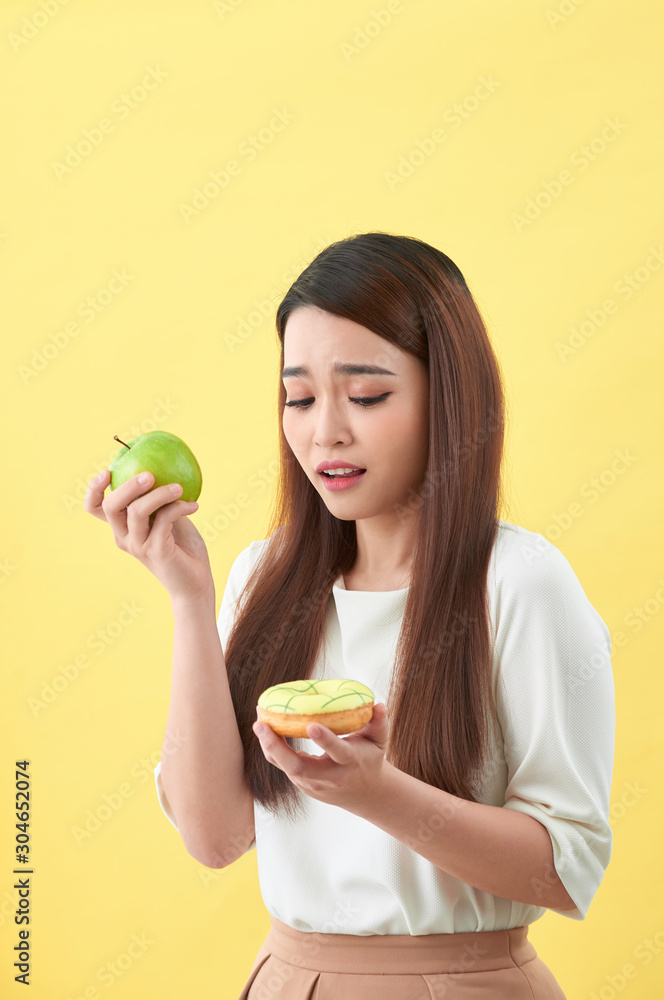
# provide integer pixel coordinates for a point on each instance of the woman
(406, 860)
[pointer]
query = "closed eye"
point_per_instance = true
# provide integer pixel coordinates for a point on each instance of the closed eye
(303, 404)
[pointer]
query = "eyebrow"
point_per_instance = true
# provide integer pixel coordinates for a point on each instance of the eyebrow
(339, 368)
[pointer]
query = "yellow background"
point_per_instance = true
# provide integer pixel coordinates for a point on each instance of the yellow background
(187, 344)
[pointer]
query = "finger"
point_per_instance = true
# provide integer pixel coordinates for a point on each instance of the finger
(275, 748)
(95, 494)
(378, 716)
(376, 727)
(336, 748)
(166, 516)
(118, 500)
(142, 512)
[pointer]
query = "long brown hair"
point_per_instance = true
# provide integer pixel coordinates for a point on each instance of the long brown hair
(440, 703)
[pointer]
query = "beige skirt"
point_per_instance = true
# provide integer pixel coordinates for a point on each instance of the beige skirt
(478, 965)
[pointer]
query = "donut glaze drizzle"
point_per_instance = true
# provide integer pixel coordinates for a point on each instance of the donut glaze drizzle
(313, 697)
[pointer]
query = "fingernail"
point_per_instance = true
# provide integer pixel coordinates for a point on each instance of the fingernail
(100, 476)
(144, 478)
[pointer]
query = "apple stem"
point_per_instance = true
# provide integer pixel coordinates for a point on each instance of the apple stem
(116, 438)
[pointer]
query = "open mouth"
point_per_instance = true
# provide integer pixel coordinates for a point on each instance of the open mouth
(344, 481)
(342, 475)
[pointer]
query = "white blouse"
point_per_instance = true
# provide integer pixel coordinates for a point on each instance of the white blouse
(552, 758)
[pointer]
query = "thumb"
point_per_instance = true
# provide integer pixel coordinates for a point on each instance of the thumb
(377, 727)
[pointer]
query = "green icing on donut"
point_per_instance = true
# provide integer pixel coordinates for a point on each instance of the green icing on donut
(310, 697)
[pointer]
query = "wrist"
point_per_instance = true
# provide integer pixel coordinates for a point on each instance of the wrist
(205, 601)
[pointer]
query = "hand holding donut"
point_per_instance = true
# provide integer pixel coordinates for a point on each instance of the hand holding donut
(350, 769)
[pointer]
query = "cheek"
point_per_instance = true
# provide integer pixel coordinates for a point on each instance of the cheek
(297, 440)
(290, 430)
(415, 425)
(404, 451)
(402, 435)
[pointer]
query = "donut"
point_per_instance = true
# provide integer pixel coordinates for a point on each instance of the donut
(343, 705)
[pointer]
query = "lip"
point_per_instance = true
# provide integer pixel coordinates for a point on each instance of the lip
(341, 484)
(338, 464)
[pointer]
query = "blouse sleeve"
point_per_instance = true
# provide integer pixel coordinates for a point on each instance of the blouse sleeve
(237, 577)
(556, 706)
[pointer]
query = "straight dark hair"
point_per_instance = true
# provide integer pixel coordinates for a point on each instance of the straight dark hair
(440, 703)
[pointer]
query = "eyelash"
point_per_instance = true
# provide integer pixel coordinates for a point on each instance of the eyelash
(365, 401)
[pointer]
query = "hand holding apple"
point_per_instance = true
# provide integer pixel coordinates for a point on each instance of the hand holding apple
(163, 454)
(147, 521)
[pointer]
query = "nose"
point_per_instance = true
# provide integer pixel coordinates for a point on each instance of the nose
(331, 428)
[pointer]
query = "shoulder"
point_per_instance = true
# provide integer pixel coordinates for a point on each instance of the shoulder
(533, 581)
(246, 561)
(250, 555)
(523, 558)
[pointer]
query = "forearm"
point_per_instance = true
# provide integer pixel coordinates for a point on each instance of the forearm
(202, 763)
(497, 850)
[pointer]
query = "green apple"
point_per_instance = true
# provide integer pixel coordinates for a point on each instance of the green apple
(165, 455)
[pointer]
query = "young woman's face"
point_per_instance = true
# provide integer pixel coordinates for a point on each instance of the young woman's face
(389, 438)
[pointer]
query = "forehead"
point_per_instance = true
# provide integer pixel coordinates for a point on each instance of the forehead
(316, 341)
